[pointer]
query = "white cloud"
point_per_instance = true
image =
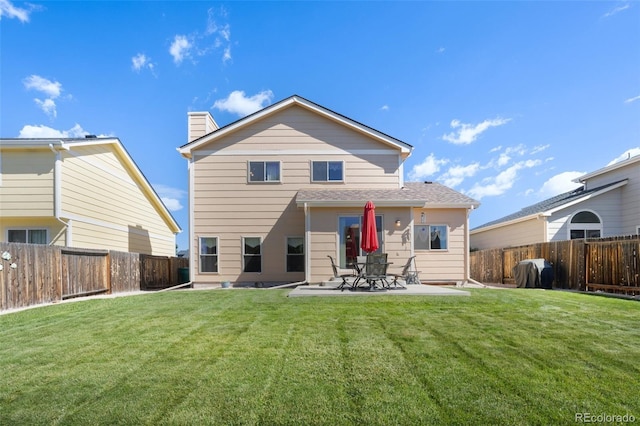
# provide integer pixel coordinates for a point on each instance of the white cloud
(141, 61)
(457, 174)
(50, 88)
(170, 196)
(384, 108)
(539, 148)
(10, 11)
(630, 100)
(172, 204)
(430, 166)
(238, 103)
(180, 48)
(48, 106)
(625, 155)
(440, 50)
(616, 9)
(501, 183)
(467, 133)
(226, 55)
(560, 183)
(42, 131)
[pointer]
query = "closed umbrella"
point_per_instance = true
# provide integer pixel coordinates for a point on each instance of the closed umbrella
(369, 241)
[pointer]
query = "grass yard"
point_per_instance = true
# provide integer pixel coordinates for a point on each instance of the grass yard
(257, 357)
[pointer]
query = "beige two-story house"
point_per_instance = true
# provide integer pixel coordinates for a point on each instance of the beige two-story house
(275, 193)
(80, 192)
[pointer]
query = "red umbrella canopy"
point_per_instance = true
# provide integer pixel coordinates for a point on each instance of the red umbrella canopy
(369, 241)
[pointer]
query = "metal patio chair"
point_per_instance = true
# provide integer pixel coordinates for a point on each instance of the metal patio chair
(338, 275)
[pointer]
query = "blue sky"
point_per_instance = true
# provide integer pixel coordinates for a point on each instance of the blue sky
(507, 102)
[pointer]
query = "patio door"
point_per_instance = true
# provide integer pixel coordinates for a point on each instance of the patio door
(349, 234)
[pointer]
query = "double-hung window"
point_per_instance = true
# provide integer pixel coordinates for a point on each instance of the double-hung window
(295, 254)
(264, 171)
(327, 171)
(208, 254)
(31, 236)
(252, 254)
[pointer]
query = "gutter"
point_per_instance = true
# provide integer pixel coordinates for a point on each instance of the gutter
(57, 192)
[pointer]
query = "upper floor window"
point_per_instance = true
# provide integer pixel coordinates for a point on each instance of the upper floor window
(585, 224)
(264, 171)
(31, 236)
(327, 171)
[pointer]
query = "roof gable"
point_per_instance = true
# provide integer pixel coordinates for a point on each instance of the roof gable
(187, 149)
(609, 168)
(118, 148)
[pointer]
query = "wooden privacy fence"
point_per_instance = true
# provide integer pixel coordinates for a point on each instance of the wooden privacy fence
(45, 274)
(606, 264)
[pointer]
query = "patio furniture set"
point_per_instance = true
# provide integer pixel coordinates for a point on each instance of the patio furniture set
(371, 273)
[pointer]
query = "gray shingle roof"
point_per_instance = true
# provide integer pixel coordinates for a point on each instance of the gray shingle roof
(412, 194)
(548, 204)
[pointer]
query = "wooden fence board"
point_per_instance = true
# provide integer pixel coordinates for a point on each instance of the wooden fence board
(47, 274)
(577, 264)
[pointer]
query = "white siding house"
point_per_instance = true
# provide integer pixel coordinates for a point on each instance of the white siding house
(607, 204)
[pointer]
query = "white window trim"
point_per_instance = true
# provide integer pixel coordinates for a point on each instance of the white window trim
(584, 226)
(28, 228)
(200, 254)
(243, 253)
(286, 252)
(265, 170)
(327, 180)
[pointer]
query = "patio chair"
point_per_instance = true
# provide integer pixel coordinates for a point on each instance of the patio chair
(376, 270)
(338, 275)
(409, 275)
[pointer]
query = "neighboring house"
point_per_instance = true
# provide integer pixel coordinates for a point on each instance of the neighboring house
(607, 204)
(85, 193)
(275, 193)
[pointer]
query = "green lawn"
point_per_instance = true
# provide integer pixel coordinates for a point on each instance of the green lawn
(257, 357)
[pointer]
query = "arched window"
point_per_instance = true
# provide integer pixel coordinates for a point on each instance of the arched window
(585, 224)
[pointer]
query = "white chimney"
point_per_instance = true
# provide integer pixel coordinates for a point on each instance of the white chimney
(200, 123)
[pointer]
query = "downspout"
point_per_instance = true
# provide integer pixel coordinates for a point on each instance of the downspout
(194, 255)
(467, 256)
(57, 194)
(307, 243)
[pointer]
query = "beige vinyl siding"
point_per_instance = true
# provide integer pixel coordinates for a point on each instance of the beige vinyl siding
(531, 231)
(325, 239)
(296, 128)
(227, 206)
(27, 183)
(449, 264)
(109, 208)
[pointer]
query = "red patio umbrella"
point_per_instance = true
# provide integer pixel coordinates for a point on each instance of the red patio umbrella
(369, 241)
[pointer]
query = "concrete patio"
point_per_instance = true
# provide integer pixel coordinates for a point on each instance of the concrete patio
(414, 289)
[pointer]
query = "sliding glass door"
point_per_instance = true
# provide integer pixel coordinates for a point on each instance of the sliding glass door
(349, 238)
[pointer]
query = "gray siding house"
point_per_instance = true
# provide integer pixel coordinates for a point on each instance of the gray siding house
(607, 204)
